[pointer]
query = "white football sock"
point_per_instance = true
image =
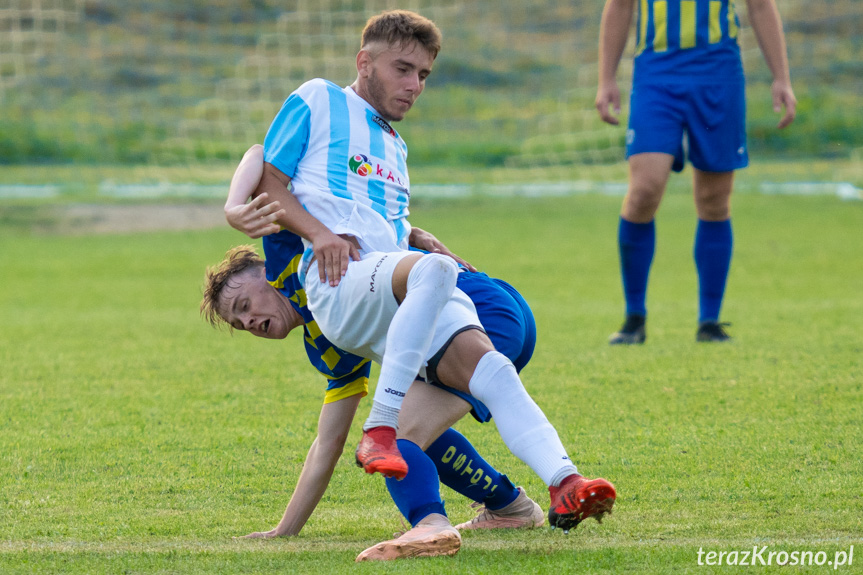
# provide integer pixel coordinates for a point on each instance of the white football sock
(382, 415)
(522, 425)
(430, 285)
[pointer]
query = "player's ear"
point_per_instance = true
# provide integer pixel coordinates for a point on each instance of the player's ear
(364, 62)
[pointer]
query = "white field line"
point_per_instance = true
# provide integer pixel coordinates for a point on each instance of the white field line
(842, 190)
(15, 191)
(113, 547)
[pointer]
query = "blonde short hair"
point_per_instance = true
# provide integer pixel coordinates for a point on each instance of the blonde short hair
(399, 27)
(237, 260)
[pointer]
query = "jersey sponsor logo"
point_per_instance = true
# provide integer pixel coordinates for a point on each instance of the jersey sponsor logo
(384, 125)
(375, 273)
(395, 392)
(359, 164)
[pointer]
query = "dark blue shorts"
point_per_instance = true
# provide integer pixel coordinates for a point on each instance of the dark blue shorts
(713, 117)
(506, 318)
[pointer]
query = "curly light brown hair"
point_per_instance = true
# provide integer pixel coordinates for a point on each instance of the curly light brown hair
(237, 260)
(400, 27)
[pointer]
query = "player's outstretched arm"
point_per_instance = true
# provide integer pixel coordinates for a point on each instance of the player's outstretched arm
(424, 240)
(613, 33)
(767, 24)
(333, 427)
(254, 218)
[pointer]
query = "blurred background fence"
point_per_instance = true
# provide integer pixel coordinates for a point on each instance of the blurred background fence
(180, 82)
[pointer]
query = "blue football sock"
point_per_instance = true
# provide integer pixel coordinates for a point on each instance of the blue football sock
(462, 469)
(637, 243)
(418, 494)
(712, 251)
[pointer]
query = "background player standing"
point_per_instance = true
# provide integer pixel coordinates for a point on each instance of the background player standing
(688, 78)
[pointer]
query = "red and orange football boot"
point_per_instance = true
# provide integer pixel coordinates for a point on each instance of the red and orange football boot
(378, 453)
(578, 498)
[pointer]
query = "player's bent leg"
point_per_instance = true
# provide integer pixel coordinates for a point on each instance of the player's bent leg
(459, 465)
(522, 425)
(423, 286)
(432, 537)
(465, 471)
(418, 494)
(528, 434)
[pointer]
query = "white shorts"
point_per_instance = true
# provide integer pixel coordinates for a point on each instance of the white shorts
(356, 314)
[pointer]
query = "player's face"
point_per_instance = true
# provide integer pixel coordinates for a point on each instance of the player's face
(249, 303)
(391, 78)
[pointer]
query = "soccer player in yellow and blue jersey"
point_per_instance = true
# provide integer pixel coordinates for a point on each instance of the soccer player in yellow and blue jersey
(509, 323)
(687, 101)
(252, 294)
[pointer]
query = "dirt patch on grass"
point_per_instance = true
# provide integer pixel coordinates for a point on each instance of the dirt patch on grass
(82, 219)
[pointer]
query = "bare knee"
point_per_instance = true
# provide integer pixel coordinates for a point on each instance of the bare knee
(427, 412)
(441, 273)
(648, 175)
(413, 431)
(713, 194)
(642, 201)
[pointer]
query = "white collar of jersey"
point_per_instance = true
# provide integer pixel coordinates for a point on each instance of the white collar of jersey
(377, 118)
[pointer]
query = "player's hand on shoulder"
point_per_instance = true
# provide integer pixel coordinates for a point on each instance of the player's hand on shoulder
(424, 240)
(256, 218)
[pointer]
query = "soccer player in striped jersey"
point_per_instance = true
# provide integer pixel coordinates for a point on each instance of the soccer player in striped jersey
(349, 189)
(428, 411)
(383, 302)
(687, 100)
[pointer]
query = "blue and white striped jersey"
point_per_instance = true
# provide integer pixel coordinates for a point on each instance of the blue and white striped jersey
(347, 164)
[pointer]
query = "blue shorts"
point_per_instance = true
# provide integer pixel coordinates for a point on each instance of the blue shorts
(713, 117)
(508, 321)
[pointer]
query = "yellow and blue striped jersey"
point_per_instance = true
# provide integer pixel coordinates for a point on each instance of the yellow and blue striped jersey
(347, 374)
(687, 41)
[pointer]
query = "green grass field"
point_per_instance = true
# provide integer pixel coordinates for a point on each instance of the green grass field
(137, 439)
